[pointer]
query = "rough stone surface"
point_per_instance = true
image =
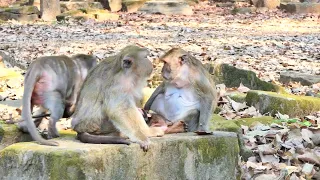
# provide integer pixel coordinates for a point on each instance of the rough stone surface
(132, 5)
(292, 105)
(304, 79)
(271, 4)
(23, 13)
(68, 6)
(167, 7)
(300, 7)
(232, 77)
(183, 156)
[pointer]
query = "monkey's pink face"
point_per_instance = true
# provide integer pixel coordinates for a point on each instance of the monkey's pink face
(138, 63)
(175, 70)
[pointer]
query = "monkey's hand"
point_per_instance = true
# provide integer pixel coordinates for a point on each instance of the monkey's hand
(177, 127)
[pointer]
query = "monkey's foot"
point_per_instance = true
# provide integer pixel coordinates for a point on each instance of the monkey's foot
(145, 145)
(177, 127)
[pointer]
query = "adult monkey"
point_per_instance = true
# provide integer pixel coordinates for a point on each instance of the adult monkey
(53, 83)
(187, 94)
(107, 102)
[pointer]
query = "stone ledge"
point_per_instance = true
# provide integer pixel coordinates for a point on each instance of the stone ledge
(292, 105)
(182, 156)
(300, 7)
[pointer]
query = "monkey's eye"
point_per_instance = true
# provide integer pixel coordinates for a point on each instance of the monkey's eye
(183, 59)
(126, 63)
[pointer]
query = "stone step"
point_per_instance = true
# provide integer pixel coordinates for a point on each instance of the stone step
(182, 156)
(292, 105)
(167, 7)
(301, 7)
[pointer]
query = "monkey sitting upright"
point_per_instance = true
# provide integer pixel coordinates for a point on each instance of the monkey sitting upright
(107, 103)
(188, 93)
(53, 83)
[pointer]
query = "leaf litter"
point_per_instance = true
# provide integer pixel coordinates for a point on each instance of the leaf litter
(264, 42)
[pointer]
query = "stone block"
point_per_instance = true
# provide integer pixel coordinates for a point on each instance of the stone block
(167, 7)
(304, 79)
(181, 156)
(300, 7)
(292, 105)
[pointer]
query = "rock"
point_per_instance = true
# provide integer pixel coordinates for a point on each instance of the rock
(184, 156)
(95, 5)
(227, 4)
(69, 6)
(97, 14)
(232, 77)
(271, 4)
(168, 7)
(300, 7)
(292, 105)
(5, 3)
(22, 13)
(304, 79)
(10, 134)
(244, 10)
(132, 5)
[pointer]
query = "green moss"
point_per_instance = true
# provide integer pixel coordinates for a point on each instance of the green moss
(249, 121)
(232, 77)
(219, 123)
(70, 161)
(292, 105)
(238, 97)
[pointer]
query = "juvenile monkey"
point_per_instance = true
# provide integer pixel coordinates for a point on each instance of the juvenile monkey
(53, 83)
(187, 94)
(107, 103)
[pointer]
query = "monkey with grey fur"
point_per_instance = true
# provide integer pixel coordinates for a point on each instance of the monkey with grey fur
(53, 83)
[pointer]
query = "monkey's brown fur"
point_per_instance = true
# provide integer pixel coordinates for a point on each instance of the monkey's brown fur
(188, 92)
(107, 103)
(53, 82)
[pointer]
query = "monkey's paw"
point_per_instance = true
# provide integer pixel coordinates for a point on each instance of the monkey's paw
(145, 145)
(177, 127)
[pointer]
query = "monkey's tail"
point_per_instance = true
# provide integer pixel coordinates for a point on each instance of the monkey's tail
(31, 78)
(99, 139)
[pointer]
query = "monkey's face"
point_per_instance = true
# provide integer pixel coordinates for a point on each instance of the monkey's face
(175, 67)
(136, 62)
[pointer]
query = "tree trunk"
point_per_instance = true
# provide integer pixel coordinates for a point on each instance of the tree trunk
(115, 5)
(49, 9)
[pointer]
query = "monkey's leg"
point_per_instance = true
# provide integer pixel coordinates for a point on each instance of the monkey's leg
(53, 102)
(37, 120)
(192, 120)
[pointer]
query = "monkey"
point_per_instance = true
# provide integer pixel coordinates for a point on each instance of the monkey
(156, 120)
(187, 93)
(52, 83)
(107, 111)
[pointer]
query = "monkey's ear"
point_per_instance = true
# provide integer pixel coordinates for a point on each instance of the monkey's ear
(126, 62)
(183, 58)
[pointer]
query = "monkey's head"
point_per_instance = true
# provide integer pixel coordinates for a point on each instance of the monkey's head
(134, 60)
(178, 67)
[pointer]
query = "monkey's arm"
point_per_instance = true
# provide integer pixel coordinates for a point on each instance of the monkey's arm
(208, 103)
(159, 89)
